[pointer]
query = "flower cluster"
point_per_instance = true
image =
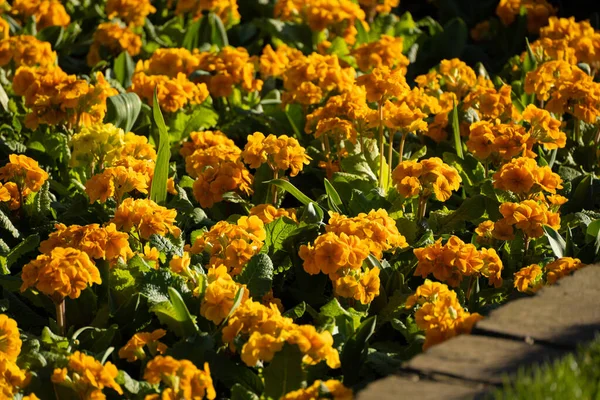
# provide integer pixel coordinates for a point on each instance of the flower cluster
(134, 348)
(456, 259)
(214, 160)
(310, 79)
(530, 216)
(232, 244)
(60, 273)
(566, 89)
(273, 63)
(145, 218)
(183, 380)
(341, 251)
(567, 40)
(132, 12)
(87, 376)
(278, 152)
(538, 12)
(25, 172)
(54, 97)
(337, 16)
(524, 177)
(46, 12)
(383, 83)
(267, 213)
(491, 103)
(97, 242)
(426, 177)
(229, 68)
(387, 51)
(12, 378)
(9, 193)
(25, 50)
(266, 331)
(331, 388)
(380, 6)
(219, 294)
(115, 182)
(530, 279)
(226, 10)
(439, 313)
(113, 38)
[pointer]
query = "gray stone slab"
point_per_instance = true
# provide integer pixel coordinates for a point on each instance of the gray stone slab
(480, 358)
(566, 314)
(396, 387)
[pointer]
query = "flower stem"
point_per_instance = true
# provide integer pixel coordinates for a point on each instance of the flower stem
(401, 149)
(274, 188)
(390, 154)
(422, 208)
(61, 316)
(381, 156)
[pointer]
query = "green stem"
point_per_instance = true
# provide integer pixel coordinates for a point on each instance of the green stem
(401, 149)
(381, 157)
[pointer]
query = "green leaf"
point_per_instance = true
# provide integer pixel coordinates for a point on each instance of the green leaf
(4, 99)
(355, 351)
(122, 110)
(293, 190)
(175, 315)
(237, 300)
(124, 68)
(218, 32)
(257, 275)
(158, 192)
(456, 132)
(29, 244)
(556, 241)
(362, 34)
(470, 210)
(333, 198)
(277, 231)
(284, 374)
(239, 392)
(296, 312)
(229, 373)
(7, 224)
(131, 385)
(202, 117)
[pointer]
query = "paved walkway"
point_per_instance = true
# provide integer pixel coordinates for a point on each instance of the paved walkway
(523, 332)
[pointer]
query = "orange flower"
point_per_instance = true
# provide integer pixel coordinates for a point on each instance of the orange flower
(25, 172)
(146, 218)
(529, 279)
(61, 273)
(133, 12)
(134, 348)
(46, 12)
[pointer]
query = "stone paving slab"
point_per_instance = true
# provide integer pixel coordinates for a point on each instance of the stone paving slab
(396, 387)
(565, 314)
(480, 358)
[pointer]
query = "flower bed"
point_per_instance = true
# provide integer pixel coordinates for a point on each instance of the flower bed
(280, 199)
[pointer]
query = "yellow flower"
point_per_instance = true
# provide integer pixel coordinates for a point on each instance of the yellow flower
(10, 340)
(12, 378)
(26, 50)
(61, 273)
(219, 295)
(46, 12)
(87, 376)
(529, 279)
(275, 62)
(146, 218)
(227, 10)
(562, 267)
(538, 12)
(25, 172)
(183, 380)
(336, 389)
(279, 152)
(387, 51)
(260, 347)
(133, 12)
(96, 241)
(134, 348)
(115, 182)
(426, 177)
(523, 176)
(383, 83)
(115, 39)
(267, 213)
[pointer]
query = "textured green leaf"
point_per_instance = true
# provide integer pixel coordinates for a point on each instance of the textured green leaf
(556, 241)
(122, 110)
(239, 392)
(277, 231)
(124, 68)
(257, 275)
(7, 224)
(30, 243)
(158, 191)
(333, 198)
(355, 351)
(284, 373)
